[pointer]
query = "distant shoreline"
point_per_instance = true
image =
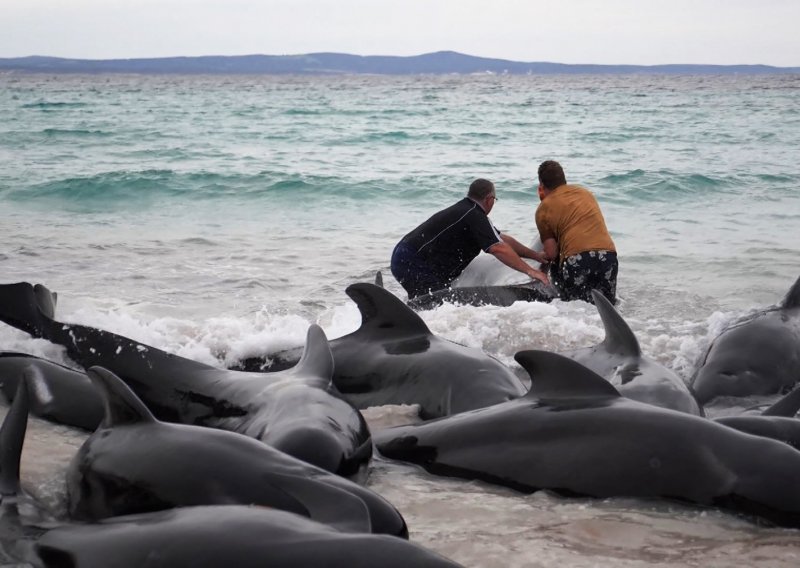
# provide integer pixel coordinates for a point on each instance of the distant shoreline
(438, 63)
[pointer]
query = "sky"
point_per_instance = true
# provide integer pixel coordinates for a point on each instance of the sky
(642, 32)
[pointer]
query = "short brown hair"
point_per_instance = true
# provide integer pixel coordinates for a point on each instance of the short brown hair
(480, 188)
(551, 174)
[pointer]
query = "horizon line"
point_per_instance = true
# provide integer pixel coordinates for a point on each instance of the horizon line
(438, 52)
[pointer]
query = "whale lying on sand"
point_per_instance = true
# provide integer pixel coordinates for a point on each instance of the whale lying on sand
(297, 411)
(619, 359)
(574, 434)
(757, 355)
(133, 463)
(224, 536)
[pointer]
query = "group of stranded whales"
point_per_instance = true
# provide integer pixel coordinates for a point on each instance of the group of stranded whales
(229, 533)
(297, 411)
(178, 444)
(394, 358)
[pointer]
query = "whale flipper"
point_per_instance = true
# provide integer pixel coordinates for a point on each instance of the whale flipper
(122, 406)
(12, 436)
(787, 406)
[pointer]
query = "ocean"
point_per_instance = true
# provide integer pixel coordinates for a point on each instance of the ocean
(217, 217)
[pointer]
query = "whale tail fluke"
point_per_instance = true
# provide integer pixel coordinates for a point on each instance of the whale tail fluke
(27, 307)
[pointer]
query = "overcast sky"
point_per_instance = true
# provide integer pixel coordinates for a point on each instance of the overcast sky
(644, 32)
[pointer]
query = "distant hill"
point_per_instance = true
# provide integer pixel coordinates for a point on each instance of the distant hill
(441, 62)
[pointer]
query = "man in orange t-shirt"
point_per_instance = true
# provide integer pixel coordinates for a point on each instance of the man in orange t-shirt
(574, 234)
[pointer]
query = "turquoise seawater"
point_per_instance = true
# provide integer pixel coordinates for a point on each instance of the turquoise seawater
(306, 183)
(218, 216)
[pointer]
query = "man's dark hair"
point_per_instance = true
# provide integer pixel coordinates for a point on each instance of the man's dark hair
(480, 188)
(551, 174)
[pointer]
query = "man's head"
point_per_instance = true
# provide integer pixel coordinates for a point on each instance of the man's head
(551, 176)
(482, 191)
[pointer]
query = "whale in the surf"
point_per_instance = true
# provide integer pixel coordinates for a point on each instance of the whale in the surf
(134, 463)
(224, 536)
(393, 358)
(481, 295)
(298, 411)
(756, 355)
(573, 433)
(534, 291)
(57, 393)
(778, 421)
(488, 282)
(619, 359)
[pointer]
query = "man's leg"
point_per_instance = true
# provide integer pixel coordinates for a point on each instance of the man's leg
(608, 267)
(412, 273)
(572, 282)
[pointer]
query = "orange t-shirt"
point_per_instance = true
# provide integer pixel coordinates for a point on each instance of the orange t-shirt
(570, 215)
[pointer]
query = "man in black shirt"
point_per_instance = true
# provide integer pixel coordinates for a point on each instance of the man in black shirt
(431, 256)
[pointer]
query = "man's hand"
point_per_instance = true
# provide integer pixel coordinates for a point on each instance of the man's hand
(539, 275)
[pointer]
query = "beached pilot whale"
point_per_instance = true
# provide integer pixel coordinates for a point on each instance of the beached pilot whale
(58, 394)
(224, 537)
(778, 422)
(393, 358)
(619, 359)
(534, 291)
(134, 463)
(298, 411)
(574, 434)
(757, 355)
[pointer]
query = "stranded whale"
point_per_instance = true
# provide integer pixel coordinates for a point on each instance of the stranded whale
(757, 355)
(224, 536)
(133, 464)
(574, 434)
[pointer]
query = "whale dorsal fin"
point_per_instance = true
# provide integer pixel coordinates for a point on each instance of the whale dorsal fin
(379, 279)
(12, 436)
(122, 406)
(787, 406)
(384, 313)
(619, 337)
(792, 298)
(555, 377)
(317, 359)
